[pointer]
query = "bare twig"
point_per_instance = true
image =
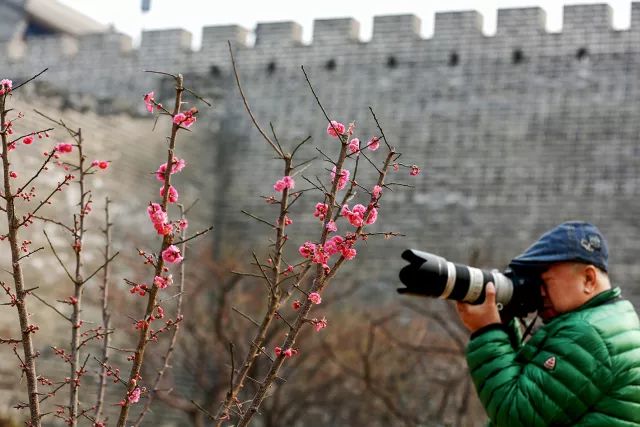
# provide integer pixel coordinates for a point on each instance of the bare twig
(198, 234)
(258, 219)
(27, 81)
(246, 105)
(106, 315)
(52, 307)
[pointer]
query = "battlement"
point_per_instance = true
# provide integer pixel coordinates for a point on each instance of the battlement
(457, 38)
(594, 19)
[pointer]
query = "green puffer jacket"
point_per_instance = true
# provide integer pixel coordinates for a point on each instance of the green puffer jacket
(580, 369)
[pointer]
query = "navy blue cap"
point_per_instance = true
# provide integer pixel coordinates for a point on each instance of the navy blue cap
(569, 241)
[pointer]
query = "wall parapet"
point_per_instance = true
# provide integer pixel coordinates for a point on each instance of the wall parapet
(586, 24)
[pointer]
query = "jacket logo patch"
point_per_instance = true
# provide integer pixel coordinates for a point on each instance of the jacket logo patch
(550, 363)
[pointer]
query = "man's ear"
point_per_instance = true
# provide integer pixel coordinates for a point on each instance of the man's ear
(590, 279)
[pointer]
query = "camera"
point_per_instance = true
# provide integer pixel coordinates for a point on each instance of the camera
(433, 276)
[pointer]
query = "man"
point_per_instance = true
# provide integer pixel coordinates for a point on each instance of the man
(582, 367)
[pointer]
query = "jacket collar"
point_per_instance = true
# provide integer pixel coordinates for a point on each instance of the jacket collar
(608, 296)
(602, 298)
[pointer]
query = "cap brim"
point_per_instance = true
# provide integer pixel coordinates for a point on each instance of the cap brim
(530, 267)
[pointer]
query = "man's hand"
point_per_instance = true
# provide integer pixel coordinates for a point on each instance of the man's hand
(475, 317)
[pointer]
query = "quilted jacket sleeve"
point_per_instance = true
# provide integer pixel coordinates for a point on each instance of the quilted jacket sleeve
(552, 380)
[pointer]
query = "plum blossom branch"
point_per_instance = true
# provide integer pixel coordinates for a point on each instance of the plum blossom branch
(36, 132)
(168, 253)
(28, 365)
(174, 334)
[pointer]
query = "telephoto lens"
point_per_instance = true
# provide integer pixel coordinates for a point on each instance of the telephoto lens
(433, 276)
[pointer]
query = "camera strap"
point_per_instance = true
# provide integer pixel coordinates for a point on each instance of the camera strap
(528, 327)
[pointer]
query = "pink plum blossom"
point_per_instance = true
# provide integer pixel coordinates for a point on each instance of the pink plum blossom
(163, 229)
(372, 217)
(334, 127)
(344, 177)
(307, 249)
(285, 182)
(172, 255)
(102, 164)
(355, 216)
(415, 170)
(331, 226)
(27, 139)
(163, 282)
(134, 395)
(319, 324)
(321, 211)
(354, 146)
(349, 253)
(377, 190)
(149, 101)
(156, 214)
(374, 143)
(176, 166)
(185, 119)
(315, 298)
(5, 86)
(63, 147)
(173, 194)
(333, 245)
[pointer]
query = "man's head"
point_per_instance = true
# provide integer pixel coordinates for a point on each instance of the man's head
(572, 261)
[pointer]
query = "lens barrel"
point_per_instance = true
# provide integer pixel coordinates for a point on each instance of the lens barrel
(431, 275)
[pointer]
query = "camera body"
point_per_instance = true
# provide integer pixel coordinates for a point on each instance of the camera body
(433, 276)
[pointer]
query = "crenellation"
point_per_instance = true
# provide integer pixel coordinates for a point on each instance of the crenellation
(214, 38)
(167, 41)
(396, 27)
(334, 31)
(521, 22)
(587, 18)
(104, 43)
(284, 34)
(454, 25)
(458, 38)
